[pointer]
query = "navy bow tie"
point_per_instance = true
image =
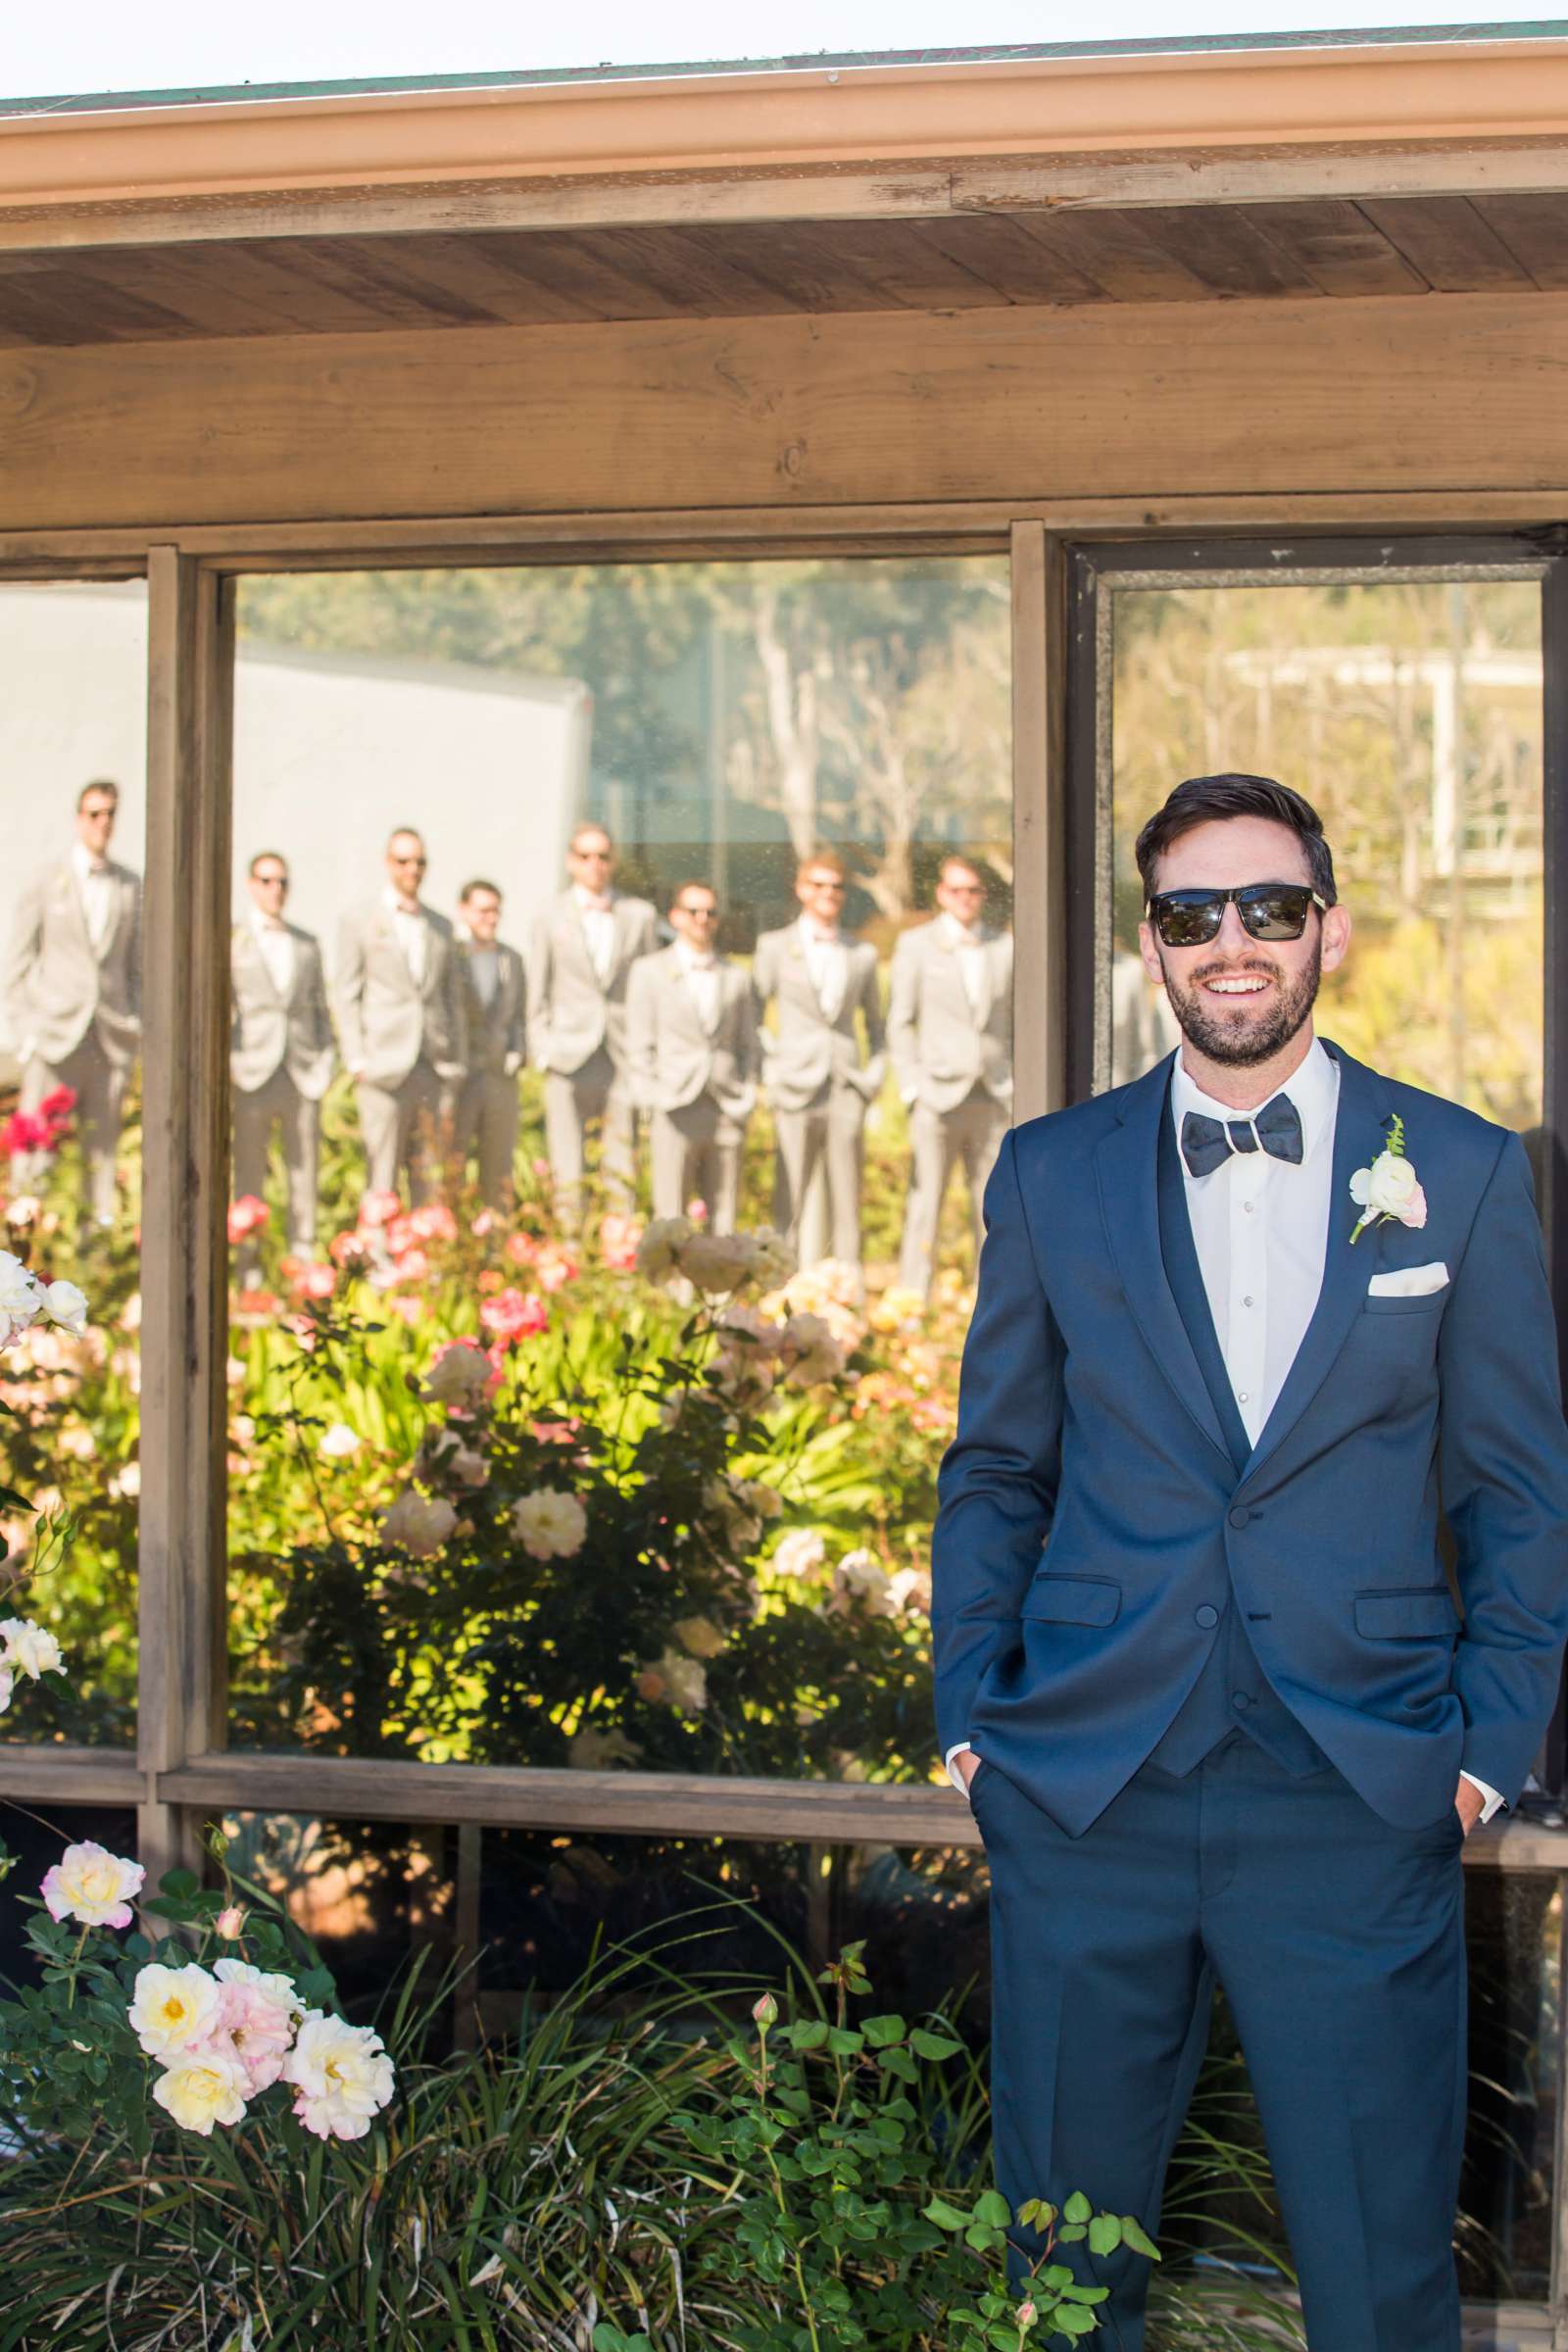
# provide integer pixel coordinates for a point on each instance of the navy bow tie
(1208, 1143)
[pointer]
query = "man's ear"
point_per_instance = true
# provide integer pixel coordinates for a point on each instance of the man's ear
(1149, 950)
(1335, 936)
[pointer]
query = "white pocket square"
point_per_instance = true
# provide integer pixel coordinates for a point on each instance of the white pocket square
(1408, 1282)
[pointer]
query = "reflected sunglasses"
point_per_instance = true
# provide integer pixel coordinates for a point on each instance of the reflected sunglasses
(1190, 919)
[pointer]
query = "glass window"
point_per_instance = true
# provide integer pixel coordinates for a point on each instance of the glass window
(72, 773)
(584, 921)
(1409, 713)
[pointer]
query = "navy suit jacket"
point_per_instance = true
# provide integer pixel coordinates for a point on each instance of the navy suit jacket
(1094, 1525)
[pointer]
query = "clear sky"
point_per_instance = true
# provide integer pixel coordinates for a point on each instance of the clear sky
(92, 45)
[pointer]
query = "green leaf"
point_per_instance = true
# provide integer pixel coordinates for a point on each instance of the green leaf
(1077, 2207)
(810, 2034)
(1104, 2233)
(945, 2215)
(882, 2032)
(1134, 2236)
(992, 2207)
(934, 2046)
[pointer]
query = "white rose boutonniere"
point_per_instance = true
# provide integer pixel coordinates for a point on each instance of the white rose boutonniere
(1390, 1187)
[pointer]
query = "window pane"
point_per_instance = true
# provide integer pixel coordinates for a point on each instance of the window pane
(1409, 713)
(73, 774)
(566, 900)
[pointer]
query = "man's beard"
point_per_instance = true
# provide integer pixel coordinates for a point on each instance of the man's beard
(1232, 1037)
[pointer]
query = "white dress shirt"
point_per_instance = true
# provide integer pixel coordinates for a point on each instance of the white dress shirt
(598, 915)
(484, 966)
(702, 978)
(97, 888)
(1260, 1228)
(827, 964)
(276, 948)
(969, 941)
(411, 933)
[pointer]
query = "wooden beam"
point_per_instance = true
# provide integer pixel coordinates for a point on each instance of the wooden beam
(1153, 403)
(181, 1632)
(70, 1776)
(1037, 1007)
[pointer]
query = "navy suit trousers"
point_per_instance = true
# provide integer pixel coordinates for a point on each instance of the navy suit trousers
(1338, 1938)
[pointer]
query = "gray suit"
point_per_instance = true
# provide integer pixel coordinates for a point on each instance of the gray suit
(281, 1053)
(76, 1013)
(579, 1025)
(487, 1104)
(699, 1084)
(818, 1082)
(405, 1040)
(954, 1066)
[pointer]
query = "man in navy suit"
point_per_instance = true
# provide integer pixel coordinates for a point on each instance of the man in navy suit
(1243, 1328)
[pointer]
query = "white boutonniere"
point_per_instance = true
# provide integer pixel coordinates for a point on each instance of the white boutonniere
(1390, 1187)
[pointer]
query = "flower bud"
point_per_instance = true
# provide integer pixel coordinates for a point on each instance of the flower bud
(764, 2011)
(230, 1922)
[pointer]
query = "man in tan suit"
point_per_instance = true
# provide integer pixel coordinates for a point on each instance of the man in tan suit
(695, 1053)
(280, 1050)
(579, 961)
(815, 1078)
(949, 1026)
(400, 1019)
(493, 1010)
(73, 990)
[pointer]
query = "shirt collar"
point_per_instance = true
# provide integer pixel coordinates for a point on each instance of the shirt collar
(814, 934)
(262, 922)
(390, 899)
(590, 903)
(1314, 1089)
(963, 935)
(82, 859)
(693, 960)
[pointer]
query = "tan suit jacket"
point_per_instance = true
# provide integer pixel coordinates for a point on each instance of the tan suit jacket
(270, 1032)
(570, 1015)
(940, 1050)
(809, 1050)
(56, 987)
(495, 1032)
(673, 1058)
(385, 1020)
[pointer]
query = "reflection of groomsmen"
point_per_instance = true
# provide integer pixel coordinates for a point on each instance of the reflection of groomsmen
(694, 1050)
(949, 1025)
(400, 1018)
(493, 1024)
(581, 955)
(816, 1081)
(73, 989)
(280, 1047)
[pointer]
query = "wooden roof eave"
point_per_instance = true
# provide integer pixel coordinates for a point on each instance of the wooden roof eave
(855, 141)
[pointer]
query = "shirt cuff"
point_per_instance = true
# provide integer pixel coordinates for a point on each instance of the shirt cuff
(1493, 1796)
(961, 1748)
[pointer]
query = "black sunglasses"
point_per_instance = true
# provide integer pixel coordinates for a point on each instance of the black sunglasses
(1189, 918)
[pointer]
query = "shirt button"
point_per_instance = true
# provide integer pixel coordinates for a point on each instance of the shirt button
(1241, 1516)
(1241, 1698)
(1207, 1614)
(1246, 1303)
(1248, 1208)
(1241, 1396)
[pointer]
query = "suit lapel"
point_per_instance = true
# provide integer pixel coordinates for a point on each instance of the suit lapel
(1186, 1278)
(1127, 1166)
(1359, 1137)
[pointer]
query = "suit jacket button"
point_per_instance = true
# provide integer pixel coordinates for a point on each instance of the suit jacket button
(1207, 1614)
(1241, 1516)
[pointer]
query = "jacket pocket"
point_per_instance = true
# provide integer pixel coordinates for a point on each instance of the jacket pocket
(1073, 1599)
(1411, 1612)
(1424, 1303)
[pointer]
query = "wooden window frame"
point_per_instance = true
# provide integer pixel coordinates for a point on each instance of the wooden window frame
(181, 1771)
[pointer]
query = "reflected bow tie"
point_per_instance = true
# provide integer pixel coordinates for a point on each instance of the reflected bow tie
(1275, 1129)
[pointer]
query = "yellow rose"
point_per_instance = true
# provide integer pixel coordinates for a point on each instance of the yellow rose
(202, 2090)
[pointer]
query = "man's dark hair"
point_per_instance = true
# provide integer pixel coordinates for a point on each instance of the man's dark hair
(261, 858)
(1210, 799)
(98, 784)
(478, 883)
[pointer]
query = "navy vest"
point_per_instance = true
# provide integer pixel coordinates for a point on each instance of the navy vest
(1231, 1693)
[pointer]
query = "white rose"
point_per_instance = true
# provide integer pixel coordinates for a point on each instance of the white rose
(716, 1261)
(27, 1648)
(678, 1679)
(459, 1376)
(271, 1986)
(860, 1577)
(339, 1442)
(91, 1885)
(341, 2075)
(810, 1352)
(600, 1751)
(66, 1305)
(661, 1245)
(20, 1299)
(799, 1553)
(550, 1523)
(202, 2089)
(7, 1684)
(172, 2009)
(772, 1260)
(1389, 1188)
(418, 1524)
(127, 1479)
(699, 1635)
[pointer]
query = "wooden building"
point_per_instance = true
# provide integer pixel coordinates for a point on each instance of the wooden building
(1114, 313)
